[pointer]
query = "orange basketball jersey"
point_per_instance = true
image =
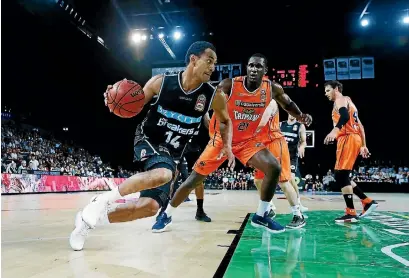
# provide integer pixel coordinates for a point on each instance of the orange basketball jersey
(352, 126)
(245, 109)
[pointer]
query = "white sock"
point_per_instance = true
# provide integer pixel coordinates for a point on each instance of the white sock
(262, 207)
(296, 210)
(299, 201)
(269, 207)
(169, 210)
(272, 206)
(112, 195)
(104, 220)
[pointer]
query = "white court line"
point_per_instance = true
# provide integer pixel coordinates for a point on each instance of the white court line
(107, 235)
(387, 250)
(396, 232)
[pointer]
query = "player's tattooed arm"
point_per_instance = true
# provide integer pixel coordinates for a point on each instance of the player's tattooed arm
(288, 105)
(341, 105)
(219, 106)
(152, 87)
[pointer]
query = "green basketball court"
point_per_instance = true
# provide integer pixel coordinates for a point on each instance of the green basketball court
(376, 247)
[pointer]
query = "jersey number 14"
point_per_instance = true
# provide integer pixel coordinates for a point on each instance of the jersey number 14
(172, 141)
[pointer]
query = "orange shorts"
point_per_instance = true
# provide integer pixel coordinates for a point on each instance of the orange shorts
(279, 148)
(208, 162)
(348, 147)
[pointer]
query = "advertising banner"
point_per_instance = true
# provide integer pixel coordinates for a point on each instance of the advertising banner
(26, 183)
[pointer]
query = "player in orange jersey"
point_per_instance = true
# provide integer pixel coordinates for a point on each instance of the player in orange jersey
(248, 98)
(269, 131)
(351, 141)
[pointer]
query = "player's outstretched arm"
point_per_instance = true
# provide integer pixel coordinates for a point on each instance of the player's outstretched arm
(219, 106)
(288, 105)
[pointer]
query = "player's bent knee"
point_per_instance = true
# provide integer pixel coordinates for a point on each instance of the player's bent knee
(342, 178)
(166, 175)
(149, 206)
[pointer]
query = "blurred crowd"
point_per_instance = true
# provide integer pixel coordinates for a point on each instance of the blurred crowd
(224, 178)
(26, 149)
(382, 173)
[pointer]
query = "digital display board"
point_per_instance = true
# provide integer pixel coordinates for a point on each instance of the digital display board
(299, 76)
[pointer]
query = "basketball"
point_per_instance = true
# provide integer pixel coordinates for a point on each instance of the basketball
(126, 98)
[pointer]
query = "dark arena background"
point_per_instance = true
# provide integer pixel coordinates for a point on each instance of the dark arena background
(58, 57)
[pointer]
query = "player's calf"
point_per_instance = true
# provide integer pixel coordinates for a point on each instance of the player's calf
(342, 180)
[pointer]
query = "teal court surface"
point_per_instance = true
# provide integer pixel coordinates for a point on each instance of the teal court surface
(376, 247)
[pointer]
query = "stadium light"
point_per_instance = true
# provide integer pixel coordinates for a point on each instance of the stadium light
(177, 35)
(364, 22)
(161, 35)
(144, 37)
(406, 19)
(136, 37)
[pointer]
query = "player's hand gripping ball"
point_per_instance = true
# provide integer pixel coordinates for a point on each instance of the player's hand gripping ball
(125, 98)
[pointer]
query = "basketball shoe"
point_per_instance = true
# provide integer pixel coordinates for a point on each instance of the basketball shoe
(369, 206)
(266, 223)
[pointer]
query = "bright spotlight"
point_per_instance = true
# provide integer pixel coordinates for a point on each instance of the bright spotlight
(364, 22)
(144, 37)
(161, 35)
(136, 37)
(177, 35)
(406, 19)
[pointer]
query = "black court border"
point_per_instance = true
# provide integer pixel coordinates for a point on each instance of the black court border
(221, 270)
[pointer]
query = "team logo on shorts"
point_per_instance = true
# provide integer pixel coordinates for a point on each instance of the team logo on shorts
(143, 153)
(202, 164)
(292, 167)
(200, 103)
(258, 145)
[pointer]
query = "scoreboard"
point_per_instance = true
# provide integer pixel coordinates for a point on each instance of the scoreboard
(299, 76)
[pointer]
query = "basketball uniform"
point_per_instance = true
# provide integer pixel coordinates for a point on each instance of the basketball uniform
(291, 133)
(173, 119)
(349, 140)
(245, 109)
(276, 144)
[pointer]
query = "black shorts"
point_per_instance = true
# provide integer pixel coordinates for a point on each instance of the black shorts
(294, 163)
(148, 156)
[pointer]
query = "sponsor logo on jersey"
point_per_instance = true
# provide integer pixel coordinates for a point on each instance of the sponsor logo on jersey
(263, 95)
(179, 117)
(185, 98)
(248, 111)
(200, 103)
(290, 134)
(176, 128)
(250, 104)
(248, 117)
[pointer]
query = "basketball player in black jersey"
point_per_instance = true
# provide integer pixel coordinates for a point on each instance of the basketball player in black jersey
(161, 139)
(296, 137)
